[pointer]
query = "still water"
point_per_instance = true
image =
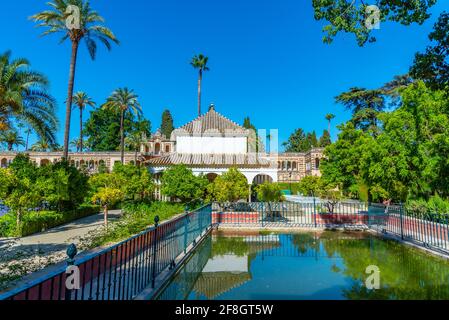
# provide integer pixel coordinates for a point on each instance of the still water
(304, 266)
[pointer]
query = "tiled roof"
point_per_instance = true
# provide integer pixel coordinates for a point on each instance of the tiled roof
(210, 160)
(212, 122)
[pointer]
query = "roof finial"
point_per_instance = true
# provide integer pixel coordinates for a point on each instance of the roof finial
(212, 107)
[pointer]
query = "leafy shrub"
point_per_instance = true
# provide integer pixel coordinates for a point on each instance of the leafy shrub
(38, 221)
(7, 225)
(137, 217)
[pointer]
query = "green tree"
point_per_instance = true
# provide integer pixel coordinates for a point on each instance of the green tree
(199, 62)
(18, 193)
(329, 117)
(310, 186)
(41, 145)
(88, 25)
(65, 187)
(231, 186)
(167, 124)
(350, 16)
(341, 164)
(269, 192)
(107, 197)
(365, 106)
(81, 101)
(11, 138)
(124, 101)
(299, 141)
(134, 181)
(253, 139)
(432, 66)
(24, 95)
(179, 182)
(325, 139)
(133, 143)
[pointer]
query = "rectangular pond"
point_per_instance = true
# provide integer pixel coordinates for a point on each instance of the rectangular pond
(306, 266)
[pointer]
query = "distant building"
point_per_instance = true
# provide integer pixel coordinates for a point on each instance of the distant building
(209, 145)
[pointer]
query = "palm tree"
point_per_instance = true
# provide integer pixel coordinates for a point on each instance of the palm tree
(329, 118)
(24, 96)
(76, 144)
(41, 145)
(123, 100)
(81, 100)
(89, 26)
(28, 132)
(133, 142)
(11, 138)
(200, 62)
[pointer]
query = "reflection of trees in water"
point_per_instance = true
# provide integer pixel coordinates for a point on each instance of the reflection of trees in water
(305, 242)
(405, 273)
(184, 281)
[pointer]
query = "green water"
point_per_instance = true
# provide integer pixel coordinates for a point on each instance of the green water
(304, 266)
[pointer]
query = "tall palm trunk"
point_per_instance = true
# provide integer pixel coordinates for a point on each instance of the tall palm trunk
(122, 136)
(28, 138)
(68, 108)
(81, 130)
(329, 127)
(200, 79)
(10, 146)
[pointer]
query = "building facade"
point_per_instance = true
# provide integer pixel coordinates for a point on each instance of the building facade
(209, 145)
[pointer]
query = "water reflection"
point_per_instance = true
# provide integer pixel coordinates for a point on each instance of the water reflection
(325, 265)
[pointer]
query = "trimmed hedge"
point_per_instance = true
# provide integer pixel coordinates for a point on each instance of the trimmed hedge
(35, 222)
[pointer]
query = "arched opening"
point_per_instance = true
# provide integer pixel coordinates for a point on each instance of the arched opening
(157, 148)
(45, 162)
(289, 165)
(294, 166)
(147, 149)
(167, 149)
(259, 179)
(4, 163)
(317, 163)
(211, 176)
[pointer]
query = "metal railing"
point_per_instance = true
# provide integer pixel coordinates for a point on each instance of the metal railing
(291, 214)
(122, 271)
(427, 229)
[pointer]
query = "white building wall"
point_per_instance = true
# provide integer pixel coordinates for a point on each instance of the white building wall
(211, 145)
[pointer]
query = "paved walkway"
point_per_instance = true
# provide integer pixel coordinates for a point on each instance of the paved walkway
(27, 255)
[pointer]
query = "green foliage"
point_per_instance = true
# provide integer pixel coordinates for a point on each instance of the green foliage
(25, 187)
(91, 28)
(134, 181)
(167, 126)
(433, 66)
(24, 96)
(102, 129)
(179, 182)
(394, 165)
(136, 218)
(365, 106)
(107, 197)
(231, 186)
(325, 139)
(299, 141)
(38, 221)
(269, 192)
(310, 186)
(349, 16)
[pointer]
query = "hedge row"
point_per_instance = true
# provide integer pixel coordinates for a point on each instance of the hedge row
(34, 222)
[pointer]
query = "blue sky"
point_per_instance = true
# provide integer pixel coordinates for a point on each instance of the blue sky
(267, 59)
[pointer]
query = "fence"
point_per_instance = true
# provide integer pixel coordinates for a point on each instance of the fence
(124, 270)
(289, 214)
(427, 229)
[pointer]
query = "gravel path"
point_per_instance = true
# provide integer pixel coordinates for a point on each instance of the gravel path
(20, 258)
